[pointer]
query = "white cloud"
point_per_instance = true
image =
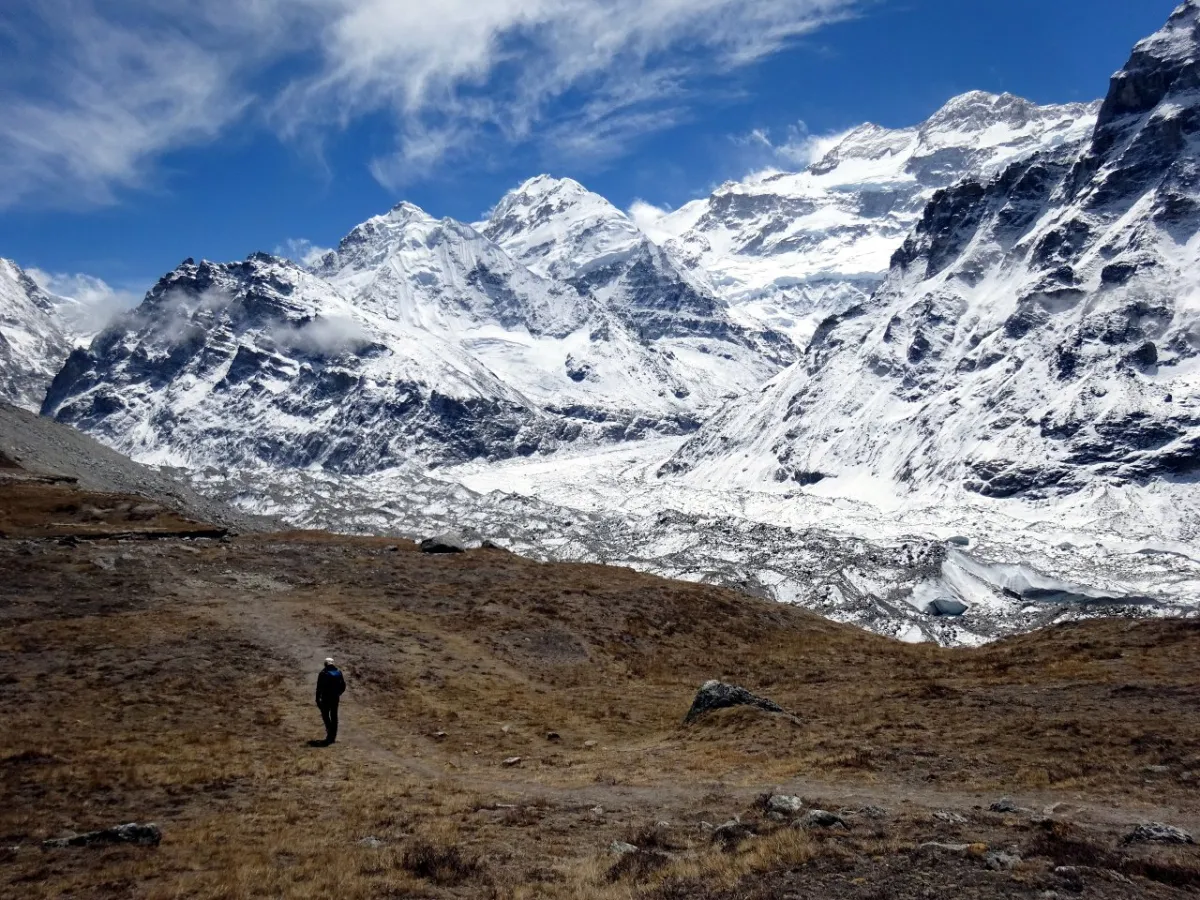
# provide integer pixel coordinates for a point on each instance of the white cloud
(87, 303)
(795, 150)
(301, 250)
(648, 217)
(96, 92)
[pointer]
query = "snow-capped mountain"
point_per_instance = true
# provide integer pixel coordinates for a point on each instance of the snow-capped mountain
(561, 230)
(33, 339)
(416, 340)
(1037, 334)
(784, 247)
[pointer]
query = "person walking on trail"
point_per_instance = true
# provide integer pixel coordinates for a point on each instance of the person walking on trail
(331, 684)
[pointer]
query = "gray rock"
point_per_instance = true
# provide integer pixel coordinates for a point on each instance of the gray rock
(1158, 833)
(441, 545)
(371, 841)
(718, 695)
(1005, 805)
(513, 761)
(1002, 862)
(785, 805)
(143, 834)
(821, 818)
(621, 848)
(949, 818)
(873, 812)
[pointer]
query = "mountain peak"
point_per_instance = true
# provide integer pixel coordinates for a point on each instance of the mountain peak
(558, 228)
(1164, 64)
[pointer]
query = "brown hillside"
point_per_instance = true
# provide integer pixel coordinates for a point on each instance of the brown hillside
(157, 678)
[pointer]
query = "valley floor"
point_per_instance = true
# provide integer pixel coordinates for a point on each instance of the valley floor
(508, 720)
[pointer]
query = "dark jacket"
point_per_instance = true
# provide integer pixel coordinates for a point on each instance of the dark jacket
(330, 685)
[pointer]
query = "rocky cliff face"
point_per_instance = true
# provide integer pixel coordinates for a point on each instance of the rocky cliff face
(1039, 332)
(33, 339)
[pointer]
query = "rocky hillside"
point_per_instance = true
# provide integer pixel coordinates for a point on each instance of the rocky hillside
(1038, 333)
(33, 339)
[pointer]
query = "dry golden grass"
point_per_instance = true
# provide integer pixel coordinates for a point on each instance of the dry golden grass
(171, 681)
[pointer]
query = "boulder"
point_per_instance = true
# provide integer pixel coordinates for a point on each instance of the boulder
(730, 833)
(143, 834)
(822, 818)
(718, 695)
(1158, 833)
(1001, 862)
(441, 545)
(621, 848)
(1005, 805)
(784, 804)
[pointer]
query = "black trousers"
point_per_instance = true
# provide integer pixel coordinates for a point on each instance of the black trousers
(329, 711)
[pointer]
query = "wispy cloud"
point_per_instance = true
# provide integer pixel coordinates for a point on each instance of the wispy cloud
(301, 250)
(795, 149)
(96, 92)
(90, 302)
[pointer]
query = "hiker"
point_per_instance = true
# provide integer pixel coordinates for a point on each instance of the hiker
(330, 687)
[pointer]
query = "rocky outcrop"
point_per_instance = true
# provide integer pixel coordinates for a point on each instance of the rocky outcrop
(145, 835)
(718, 695)
(1158, 833)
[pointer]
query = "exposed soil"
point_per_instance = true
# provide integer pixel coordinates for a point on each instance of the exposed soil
(170, 680)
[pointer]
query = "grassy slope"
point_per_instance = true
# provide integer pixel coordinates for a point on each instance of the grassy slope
(171, 681)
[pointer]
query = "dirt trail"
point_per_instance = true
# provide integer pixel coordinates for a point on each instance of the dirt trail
(280, 623)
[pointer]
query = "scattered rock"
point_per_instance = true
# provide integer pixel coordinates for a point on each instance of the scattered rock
(1158, 833)
(1005, 805)
(949, 818)
(1002, 862)
(441, 545)
(146, 835)
(1061, 809)
(620, 848)
(730, 833)
(718, 695)
(597, 811)
(590, 745)
(821, 818)
(873, 812)
(785, 804)
(371, 841)
(513, 761)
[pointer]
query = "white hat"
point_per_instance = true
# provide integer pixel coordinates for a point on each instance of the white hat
(329, 660)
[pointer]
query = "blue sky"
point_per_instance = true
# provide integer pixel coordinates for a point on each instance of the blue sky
(135, 133)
